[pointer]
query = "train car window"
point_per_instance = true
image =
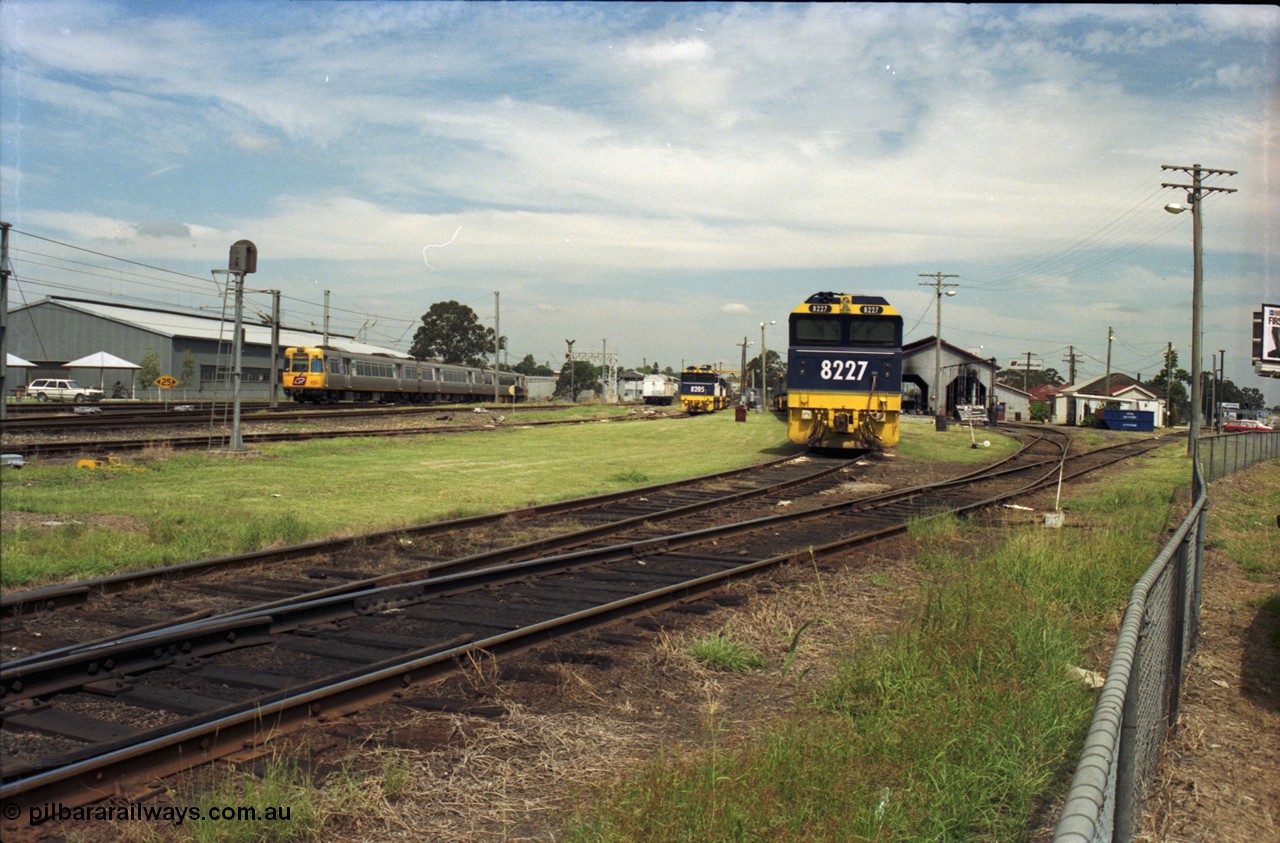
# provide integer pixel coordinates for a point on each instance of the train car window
(815, 330)
(883, 332)
(335, 366)
(299, 363)
(317, 365)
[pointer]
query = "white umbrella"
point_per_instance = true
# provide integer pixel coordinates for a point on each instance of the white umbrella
(101, 361)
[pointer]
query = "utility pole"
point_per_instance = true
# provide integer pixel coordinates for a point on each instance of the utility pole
(497, 343)
(275, 347)
(4, 316)
(326, 317)
(1222, 385)
(1168, 383)
(1070, 360)
(1195, 196)
(568, 356)
(742, 370)
(1106, 388)
(938, 286)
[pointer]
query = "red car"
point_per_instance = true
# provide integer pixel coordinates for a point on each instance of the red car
(1245, 426)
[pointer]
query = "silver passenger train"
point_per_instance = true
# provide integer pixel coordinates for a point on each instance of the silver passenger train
(322, 375)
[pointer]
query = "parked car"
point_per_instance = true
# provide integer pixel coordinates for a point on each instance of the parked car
(60, 389)
(1245, 426)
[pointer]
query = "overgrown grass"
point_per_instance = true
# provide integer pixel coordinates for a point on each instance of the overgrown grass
(959, 727)
(81, 523)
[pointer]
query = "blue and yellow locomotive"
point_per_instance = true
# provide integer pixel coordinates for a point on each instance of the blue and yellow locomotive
(702, 390)
(844, 372)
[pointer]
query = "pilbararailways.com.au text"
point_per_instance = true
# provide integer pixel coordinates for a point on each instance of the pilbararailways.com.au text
(170, 814)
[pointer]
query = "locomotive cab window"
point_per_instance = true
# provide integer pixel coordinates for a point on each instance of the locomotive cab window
(882, 332)
(815, 330)
(299, 363)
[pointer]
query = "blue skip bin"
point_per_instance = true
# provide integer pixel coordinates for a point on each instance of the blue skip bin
(1140, 420)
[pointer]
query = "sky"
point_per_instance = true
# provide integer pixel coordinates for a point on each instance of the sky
(656, 180)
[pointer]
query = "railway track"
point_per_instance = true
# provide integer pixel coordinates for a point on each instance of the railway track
(52, 436)
(88, 722)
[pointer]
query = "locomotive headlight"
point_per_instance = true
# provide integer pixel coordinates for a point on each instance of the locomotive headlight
(806, 414)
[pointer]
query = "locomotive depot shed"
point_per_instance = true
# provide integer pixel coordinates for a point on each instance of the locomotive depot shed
(55, 330)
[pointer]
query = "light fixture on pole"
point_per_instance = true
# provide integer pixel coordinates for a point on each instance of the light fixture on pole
(764, 356)
(939, 413)
(1195, 199)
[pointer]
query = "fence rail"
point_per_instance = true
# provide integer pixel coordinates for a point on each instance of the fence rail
(1139, 700)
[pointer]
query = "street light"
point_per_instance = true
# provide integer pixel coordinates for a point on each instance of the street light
(764, 356)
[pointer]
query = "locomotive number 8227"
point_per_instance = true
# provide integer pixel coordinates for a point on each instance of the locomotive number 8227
(844, 372)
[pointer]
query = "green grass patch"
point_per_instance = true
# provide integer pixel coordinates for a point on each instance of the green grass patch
(961, 726)
(75, 523)
(720, 652)
(955, 444)
(1245, 528)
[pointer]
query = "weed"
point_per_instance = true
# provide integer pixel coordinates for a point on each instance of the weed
(719, 652)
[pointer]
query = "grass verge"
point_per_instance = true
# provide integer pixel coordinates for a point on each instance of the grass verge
(959, 727)
(62, 522)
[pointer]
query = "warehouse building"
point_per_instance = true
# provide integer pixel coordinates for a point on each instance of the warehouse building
(194, 349)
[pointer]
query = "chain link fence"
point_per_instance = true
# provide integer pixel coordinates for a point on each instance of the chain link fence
(1139, 700)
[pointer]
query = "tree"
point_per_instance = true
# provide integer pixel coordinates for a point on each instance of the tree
(527, 366)
(1034, 378)
(188, 373)
(578, 377)
(774, 370)
(149, 368)
(1179, 402)
(451, 332)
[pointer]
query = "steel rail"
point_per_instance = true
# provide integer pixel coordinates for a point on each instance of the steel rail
(165, 750)
(48, 598)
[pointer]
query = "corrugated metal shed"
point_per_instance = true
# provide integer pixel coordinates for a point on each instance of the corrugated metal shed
(194, 326)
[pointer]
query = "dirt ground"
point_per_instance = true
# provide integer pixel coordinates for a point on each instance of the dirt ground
(1219, 780)
(507, 751)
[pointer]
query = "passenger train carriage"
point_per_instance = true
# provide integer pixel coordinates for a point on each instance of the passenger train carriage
(844, 372)
(327, 375)
(702, 390)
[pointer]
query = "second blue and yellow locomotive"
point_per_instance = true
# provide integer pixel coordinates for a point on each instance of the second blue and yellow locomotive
(844, 372)
(702, 390)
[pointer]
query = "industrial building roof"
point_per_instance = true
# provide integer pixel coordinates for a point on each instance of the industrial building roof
(197, 326)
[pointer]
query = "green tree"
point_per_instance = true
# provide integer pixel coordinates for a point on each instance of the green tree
(451, 332)
(528, 366)
(1039, 377)
(1179, 400)
(149, 369)
(775, 370)
(579, 378)
(188, 373)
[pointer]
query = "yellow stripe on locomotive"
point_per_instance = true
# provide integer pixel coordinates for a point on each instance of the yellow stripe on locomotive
(844, 372)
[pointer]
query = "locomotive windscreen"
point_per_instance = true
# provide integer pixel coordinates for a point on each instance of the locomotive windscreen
(810, 330)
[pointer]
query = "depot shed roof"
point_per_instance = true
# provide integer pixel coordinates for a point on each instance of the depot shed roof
(215, 328)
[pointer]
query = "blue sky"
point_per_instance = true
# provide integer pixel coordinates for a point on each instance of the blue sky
(660, 177)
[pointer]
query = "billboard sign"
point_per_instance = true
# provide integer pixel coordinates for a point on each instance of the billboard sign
(1266, 340)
